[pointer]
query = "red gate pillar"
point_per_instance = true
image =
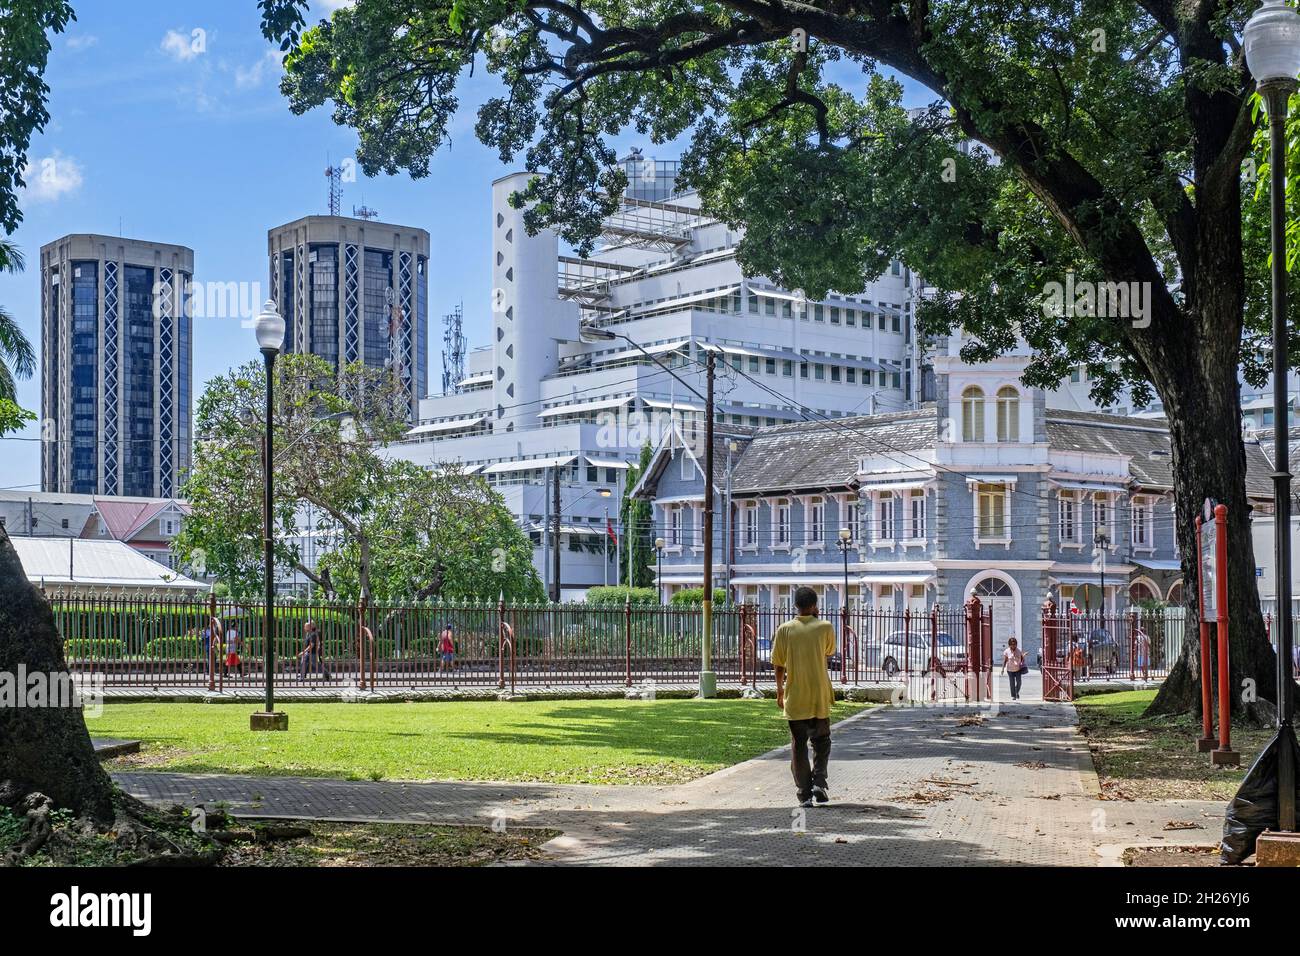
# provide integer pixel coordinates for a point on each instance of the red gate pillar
(1223, 755)
(974, 643)
(212, 638)
(1206, 742)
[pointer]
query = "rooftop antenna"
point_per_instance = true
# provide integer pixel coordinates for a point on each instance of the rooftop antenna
(453, 348)
(335, 176)
(364, 212)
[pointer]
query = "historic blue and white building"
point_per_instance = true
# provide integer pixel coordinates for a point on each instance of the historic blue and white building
(985, 491)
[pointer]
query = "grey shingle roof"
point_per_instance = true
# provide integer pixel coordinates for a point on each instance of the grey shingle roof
(1146, 442)
(821, 454)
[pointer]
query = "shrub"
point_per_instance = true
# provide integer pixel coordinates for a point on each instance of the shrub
(690, 597)
(185, 647)
(618, 594)
(84, 648)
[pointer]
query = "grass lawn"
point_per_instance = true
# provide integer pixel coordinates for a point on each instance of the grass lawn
(581, 741)
(1155, 758)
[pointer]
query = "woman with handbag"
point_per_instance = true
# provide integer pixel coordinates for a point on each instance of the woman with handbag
(1013, 665)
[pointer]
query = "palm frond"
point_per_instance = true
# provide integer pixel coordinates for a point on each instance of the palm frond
(15, 348)
(11, 257)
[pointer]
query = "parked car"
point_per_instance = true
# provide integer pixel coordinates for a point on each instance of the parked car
(914, 650)
(1102, 651)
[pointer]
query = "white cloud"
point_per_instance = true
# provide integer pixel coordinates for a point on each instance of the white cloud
(246, 78)
(52, 177)
(183, 47)
(82, 41)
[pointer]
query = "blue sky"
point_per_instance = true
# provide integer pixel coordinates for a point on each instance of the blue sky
(163, 133)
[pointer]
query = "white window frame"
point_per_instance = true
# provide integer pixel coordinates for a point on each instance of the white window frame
(1069, 527)
(1104, 502)
(980, 491)
(673, 524)
(814, 530)
(1142, 514)
(781, 526)
(1008, 413)
(697, 527)
(749, 526)
(915, 517)
(973, 404)
(885, 513)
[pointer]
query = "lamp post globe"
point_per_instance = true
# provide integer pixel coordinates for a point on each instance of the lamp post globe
(269, 328)
(1271, 41)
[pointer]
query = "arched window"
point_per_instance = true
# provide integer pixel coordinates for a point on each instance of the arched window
(992, 587)
(972, 413)
(1139, 591)
(1008, 414)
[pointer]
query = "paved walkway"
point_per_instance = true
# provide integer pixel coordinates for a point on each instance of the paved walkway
(911, 786)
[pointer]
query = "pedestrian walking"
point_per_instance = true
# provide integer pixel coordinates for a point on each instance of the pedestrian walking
(1013, 665)
(803, 692)
(312, 655)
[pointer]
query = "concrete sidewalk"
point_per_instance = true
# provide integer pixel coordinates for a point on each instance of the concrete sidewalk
(910, 786)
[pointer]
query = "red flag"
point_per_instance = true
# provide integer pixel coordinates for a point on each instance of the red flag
(609, 530)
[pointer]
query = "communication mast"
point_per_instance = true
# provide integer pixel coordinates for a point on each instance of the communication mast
(364, 212)
(335, 176)
(453, 349)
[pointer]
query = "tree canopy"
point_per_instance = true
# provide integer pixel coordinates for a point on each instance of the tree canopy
(382, 528)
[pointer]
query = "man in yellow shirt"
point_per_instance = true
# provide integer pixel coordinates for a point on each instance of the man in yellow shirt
(804, 693)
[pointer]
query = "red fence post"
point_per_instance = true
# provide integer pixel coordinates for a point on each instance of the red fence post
(1132, 645)
(974, 643)
(1206, 742)
(1224, 755)
(212, 636)
(501, 644)
(627, 635)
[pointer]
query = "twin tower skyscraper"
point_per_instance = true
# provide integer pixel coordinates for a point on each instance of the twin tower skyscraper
(117, 338)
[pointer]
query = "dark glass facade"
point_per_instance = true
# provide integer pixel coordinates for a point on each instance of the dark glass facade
(377, 307)
(323, 286)
(138, 391)
(84, 356)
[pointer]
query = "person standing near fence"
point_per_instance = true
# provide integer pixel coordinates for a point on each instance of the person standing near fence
(312, 652)
(804, 693)
(234, 645)
(1013, 665)
(446, 649)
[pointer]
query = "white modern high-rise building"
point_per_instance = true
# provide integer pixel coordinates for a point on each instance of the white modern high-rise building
(664, 275)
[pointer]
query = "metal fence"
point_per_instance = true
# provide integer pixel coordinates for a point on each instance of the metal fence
(1115, 645)
(150, 641)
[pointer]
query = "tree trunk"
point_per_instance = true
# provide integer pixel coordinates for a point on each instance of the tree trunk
(1202, 402)
(42, 749)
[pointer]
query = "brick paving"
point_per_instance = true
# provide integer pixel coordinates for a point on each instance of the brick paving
(911, 786)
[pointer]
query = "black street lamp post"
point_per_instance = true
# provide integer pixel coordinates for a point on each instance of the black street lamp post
(270, 339)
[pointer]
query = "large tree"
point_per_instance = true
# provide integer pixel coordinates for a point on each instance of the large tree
(384, 529)
(1117, 133)
(51, 782)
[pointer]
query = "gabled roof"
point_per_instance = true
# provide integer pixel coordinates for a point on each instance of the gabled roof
(674, 439)
(827, 454)
(125, 517)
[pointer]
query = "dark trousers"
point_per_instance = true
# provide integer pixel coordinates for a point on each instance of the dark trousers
(816, 731)
(1016, 678)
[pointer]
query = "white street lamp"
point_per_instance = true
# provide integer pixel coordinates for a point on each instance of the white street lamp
(269, 327)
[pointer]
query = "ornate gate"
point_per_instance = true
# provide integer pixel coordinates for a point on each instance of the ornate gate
(1058, 673)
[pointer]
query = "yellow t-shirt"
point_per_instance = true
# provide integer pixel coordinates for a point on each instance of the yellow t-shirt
(801, 646)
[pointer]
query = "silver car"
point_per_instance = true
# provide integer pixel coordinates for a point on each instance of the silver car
(901, 649)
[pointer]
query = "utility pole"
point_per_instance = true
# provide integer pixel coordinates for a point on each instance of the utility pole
(708, 680)
(555, 541)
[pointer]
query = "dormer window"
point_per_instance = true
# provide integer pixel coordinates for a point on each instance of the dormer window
(972, 413)
(1008, 414)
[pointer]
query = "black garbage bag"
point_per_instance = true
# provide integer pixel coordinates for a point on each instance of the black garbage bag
(1254, 809)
